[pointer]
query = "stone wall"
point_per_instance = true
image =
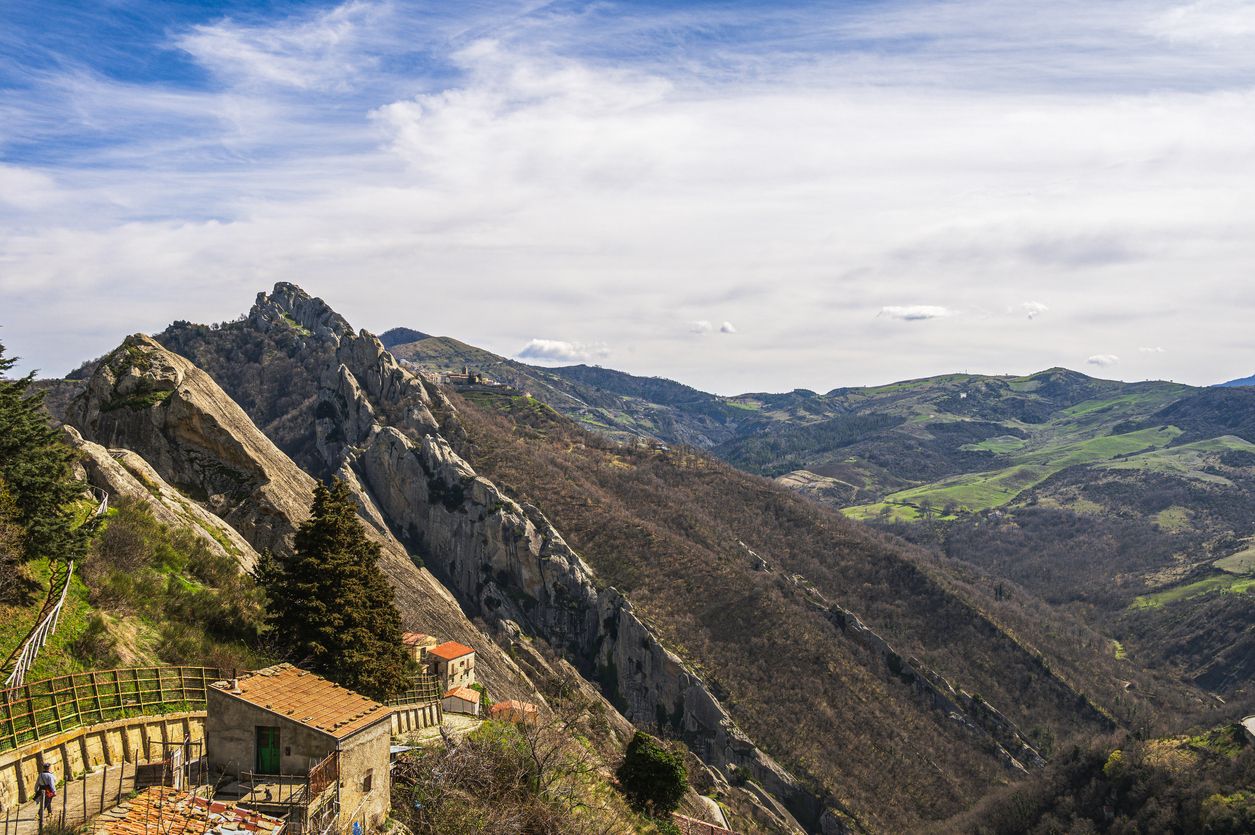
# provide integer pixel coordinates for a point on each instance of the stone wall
(408, 719)
(365, 781)
(231, 737)
(87, 749)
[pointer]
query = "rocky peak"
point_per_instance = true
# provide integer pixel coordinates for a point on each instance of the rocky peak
(289, 306)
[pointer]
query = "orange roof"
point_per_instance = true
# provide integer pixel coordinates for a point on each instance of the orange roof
(450, 650)
(510, 706)
(462, 693)
(412, 638)
(308, 699)
(165, 811)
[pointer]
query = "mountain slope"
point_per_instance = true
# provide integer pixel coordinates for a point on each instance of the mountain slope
(1146, 486)
(766, 596)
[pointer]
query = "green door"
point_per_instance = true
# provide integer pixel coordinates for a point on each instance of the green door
(267, 750)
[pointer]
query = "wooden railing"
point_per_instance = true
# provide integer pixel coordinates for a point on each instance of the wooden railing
(423, 690)
(23, 656)
(46, 708)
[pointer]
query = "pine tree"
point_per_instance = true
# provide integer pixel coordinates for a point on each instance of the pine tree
(36, 466)
(331, 609)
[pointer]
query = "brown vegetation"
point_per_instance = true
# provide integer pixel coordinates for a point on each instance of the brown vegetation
(675, 531)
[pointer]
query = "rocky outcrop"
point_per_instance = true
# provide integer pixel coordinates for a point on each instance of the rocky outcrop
(123, 474)
(166, 417)
(156, 403)
(507, 563)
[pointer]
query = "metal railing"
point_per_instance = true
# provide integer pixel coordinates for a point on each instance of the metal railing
(52, 706)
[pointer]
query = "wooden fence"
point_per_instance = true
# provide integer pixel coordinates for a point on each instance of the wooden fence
(423, 690)
(46, 708)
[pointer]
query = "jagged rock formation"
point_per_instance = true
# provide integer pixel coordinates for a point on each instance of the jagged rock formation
(167, 418)
(505, 562)
(122, 473)
(145, 399)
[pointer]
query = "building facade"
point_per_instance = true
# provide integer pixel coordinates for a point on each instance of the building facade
(281, 722)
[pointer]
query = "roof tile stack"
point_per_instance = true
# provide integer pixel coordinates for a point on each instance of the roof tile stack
(164, 811)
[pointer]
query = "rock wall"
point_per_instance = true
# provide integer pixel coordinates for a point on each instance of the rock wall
(180, 426)
(507, 563)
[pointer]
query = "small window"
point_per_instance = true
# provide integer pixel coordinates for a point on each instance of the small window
(368, 780)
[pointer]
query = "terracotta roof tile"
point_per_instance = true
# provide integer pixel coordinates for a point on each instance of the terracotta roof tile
(450, 650)
(462, 693)
(164, 811)
(308, 699)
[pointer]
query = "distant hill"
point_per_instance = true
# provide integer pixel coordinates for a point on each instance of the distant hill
(1241, 381)
(1137, 499)
(399, 336)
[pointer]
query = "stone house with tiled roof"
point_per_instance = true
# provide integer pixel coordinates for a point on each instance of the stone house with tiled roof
(282, 721)
(453, 664)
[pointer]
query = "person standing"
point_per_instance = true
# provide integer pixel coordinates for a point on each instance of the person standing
(45, 789)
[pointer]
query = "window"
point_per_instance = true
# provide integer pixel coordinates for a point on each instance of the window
(368, 780)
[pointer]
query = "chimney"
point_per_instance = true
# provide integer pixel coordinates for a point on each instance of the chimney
(235, 681)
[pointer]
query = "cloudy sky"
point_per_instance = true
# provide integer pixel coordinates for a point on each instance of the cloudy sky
(739, 195)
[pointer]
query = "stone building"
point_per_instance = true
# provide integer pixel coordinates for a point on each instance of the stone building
(511, 710)
(461, 700)
(453, 664)
(283, 721)
(417, 645)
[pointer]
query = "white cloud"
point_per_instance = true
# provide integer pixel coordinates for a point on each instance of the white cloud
(558, 351)
(1015, 151)
(915, 312)
(727, 327)
(701, 326)
(1103, 360)
(1151, 350)
(1033, 309)
(1206, 21)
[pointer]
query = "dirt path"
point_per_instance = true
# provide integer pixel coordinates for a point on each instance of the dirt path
(75, 803)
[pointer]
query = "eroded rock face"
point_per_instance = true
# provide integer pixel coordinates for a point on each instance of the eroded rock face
(123, 474)
(183, 428)
(508, 564)
(146, 399)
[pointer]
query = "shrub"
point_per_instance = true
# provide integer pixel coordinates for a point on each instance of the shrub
(652, 775)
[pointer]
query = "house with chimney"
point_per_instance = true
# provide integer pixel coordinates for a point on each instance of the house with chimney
(303, 747)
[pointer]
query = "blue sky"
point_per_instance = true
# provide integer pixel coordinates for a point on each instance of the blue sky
(740, 195)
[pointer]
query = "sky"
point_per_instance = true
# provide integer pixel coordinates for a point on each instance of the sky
(744, 196)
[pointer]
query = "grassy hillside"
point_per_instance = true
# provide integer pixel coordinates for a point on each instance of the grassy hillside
(145, 594)
(728, 568)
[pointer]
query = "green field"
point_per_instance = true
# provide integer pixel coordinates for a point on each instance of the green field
(1243, 562)
(1220, 583)
(982, 491)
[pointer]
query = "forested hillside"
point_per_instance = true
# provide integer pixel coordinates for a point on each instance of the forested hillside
(1131, 501)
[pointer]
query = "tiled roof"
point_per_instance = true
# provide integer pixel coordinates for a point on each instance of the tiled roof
(462, 693)
(450, 650)
(414, 638)
(308, 699)
(164, 811)
(510, 706)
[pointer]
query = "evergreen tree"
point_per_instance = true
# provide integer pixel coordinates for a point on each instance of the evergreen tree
(652, 775)
(36, 467)
(331, 609)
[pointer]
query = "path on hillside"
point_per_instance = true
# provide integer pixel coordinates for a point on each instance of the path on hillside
(76, 802)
